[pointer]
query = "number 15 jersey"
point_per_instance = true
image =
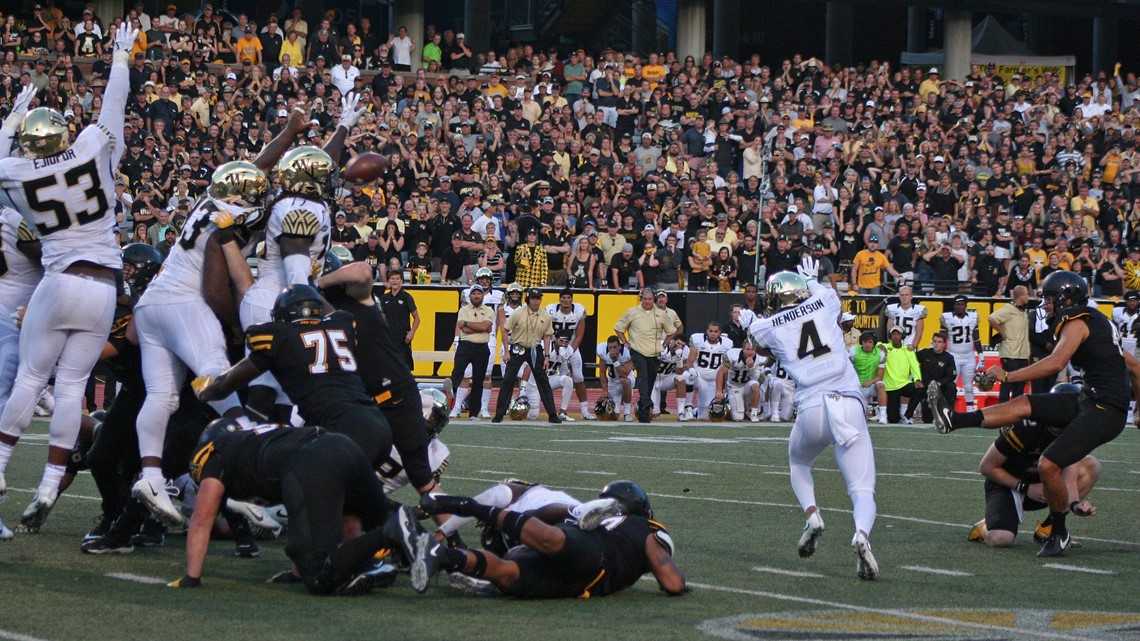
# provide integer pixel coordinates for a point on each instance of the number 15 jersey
(67, 199)
(808, 342)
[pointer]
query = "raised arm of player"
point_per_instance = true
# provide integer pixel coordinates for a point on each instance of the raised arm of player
(356, 279)
(15, 117)
(118, 90)
(273, 151)
(349, 114)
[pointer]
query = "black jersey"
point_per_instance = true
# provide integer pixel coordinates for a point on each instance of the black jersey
(126, 365)
(251, 463)
(383, 369)
(315, 363)
(625, 562)
(1100, 357)
(1022, 444)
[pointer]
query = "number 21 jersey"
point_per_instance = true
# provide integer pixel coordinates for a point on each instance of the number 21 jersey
(808, 342)
(66, 198)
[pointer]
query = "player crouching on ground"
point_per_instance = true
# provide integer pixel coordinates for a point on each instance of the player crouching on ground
(738, 385)
(1013, 485)
(320, 477)
(614, 543)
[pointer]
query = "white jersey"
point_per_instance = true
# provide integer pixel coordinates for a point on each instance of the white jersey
(668, 361)
(559, 361)
(181, 275)
(392, 473)
(907, 320)
(709, 355)
(67, 199)
(960, 332)
(1125, 322)
(18, 274)
(297, 216)
(808, 343)
(562, 322)
(612, 364)
(740, 372)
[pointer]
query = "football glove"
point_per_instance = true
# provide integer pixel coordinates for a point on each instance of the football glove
(20, 106)
(18, 316)
(349, 114)
(985, 382)
(186, 581)
(809, 267)
(225, 222)
(125, 37)
(200, 384)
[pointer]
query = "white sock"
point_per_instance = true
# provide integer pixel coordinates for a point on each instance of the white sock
(153, 474)
(486, 400)
(680, 404)
(5, 455)
(584, 407)
(53, 474)
(629, 408)
(460, 396)
(863, 506)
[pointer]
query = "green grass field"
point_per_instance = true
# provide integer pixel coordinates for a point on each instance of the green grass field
(723, 491)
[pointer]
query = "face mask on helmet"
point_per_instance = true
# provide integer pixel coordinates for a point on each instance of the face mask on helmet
(519, 408)
(435, 408)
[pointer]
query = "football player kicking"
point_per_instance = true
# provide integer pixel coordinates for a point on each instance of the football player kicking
(1087, 340)
(297, 236)
(320, 478)
(615, 375)
(65, 191)
(738, 382)
(598, 556)
(803, 334)
(314, 358)
(177, 318)
(1013, 485)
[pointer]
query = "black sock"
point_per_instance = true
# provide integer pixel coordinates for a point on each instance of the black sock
(967, 419)
(456, 559)
(513, 523)
(1048, 521)
(1058, 519)
(484, 513)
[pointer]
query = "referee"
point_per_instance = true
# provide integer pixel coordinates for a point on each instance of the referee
(530, 331)
(642, 329)
(472, 333)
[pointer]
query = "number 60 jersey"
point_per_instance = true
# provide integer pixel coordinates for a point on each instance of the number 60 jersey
(67, 199)
(807, 340)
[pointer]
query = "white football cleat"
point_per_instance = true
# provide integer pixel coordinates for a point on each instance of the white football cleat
(5, 533)
(470, 586)
(565, 418)
(484, 414)
(813, 529)
(3, 489)
(592, 513)
(865, 565)
(589, 416)
(686, 415)
(156, 499)
(754, 416)
(628, 418)
(261, 522)
(37, 511)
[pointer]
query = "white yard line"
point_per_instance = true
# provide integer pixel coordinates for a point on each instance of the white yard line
(595, 473)
(1075, 568)
(939, 571)
(16, 636)
(902, 614)
(137, 578)
(494, 472)
(805, 575)
(688, 473)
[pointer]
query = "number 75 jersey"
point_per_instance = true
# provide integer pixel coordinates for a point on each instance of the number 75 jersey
(808, 342)
(67, 199)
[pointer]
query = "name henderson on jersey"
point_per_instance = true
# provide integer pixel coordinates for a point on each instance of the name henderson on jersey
(44, 163)
(797, 312)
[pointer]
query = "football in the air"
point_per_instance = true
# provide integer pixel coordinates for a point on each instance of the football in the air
(365, 168)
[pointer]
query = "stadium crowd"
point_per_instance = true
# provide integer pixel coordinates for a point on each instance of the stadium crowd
(631, 170)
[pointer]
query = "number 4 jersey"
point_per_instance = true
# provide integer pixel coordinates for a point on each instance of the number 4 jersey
(66, 199)
(808, 343)
(315, 363)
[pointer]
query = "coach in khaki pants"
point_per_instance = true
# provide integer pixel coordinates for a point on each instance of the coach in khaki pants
(640, 328)
(1012, 324)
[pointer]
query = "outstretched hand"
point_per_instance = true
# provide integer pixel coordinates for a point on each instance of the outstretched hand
(349, 114)
(24, 100)
(125, 37)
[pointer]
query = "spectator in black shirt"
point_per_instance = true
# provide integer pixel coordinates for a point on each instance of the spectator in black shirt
(454, 262)
(343, 234)
(624, 269)
(399, 309)
(1110, 273)
(988, 274)
(781, 258)
(372, 253)
(901, 251)
(944, 266)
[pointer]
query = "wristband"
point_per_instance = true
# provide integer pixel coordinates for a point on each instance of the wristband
(1005, 377)
(1073, 506)
(1022, 488)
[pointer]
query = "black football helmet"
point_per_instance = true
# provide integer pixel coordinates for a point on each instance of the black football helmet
(214, 434)
(1067, 289)
(718, 410)
(631, 496)
(141, 263)
(1066, 388)
(298, 303)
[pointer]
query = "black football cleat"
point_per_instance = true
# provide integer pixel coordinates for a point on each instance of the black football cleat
(1055, 545)
(428, 560)
(446, 504)
(107, 544)
(378, 574)
(943, 419)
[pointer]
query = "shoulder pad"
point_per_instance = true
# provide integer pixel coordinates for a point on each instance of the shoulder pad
(1009, 435)
(119, 326)
(300, 222)
(24, 234)
(1072, 314)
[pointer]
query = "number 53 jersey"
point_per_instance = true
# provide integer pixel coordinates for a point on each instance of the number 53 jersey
(315, 362)
(67, 199)
(808, 342)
